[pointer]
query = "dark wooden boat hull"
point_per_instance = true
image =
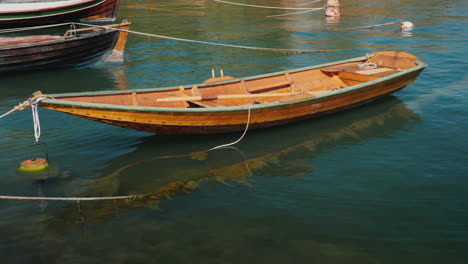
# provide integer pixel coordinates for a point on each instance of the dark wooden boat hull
(98, 10)
(58, 53)
(165, 119)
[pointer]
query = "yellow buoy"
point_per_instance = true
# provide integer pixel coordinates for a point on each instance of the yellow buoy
(36, 164)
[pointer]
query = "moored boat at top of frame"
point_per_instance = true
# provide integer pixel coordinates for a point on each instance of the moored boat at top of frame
(78, 47)
(50, 12)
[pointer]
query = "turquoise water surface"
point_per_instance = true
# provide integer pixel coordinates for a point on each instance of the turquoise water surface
(382, 183)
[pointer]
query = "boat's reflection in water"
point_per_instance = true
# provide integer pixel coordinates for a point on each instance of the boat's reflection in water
(286, 151)
(118, 73)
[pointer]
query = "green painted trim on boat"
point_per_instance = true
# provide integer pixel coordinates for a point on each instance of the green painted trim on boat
(203, 84)
(54, 12)
(419, 65)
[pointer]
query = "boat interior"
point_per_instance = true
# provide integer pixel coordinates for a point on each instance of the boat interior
(16, 41)
(10, 41)
(283, 87)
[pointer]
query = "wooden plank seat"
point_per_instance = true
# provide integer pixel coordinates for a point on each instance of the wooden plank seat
(352, 78)
(269, 86)
(194, 103)
(345, 67)
(380, 71)
(338, 81)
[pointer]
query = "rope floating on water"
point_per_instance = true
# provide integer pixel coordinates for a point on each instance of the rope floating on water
(303, 4)
(180, 39)
(217, 44)
(300, 12)
(371, 26)
(7, 197)
(259, 6)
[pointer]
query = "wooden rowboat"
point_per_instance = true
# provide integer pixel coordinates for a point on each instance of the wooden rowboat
(73, 49)
(225, 104)
(41, 13)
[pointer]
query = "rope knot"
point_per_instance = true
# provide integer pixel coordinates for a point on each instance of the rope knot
(37, 97)
(21, 106)
(368, 65)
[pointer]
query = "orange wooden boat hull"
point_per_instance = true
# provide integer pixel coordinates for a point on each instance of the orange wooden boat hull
(209, 120)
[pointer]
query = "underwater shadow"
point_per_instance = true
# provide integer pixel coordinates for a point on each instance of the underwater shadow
(163, 167)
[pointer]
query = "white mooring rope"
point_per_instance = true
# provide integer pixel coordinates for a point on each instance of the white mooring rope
(303, 4)
(237, 141)
(180, 39)
(300, 12)
(371, 26)
(213, 43)
(9, 197)
(37, 124)
(34, 102)
(259, 6)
